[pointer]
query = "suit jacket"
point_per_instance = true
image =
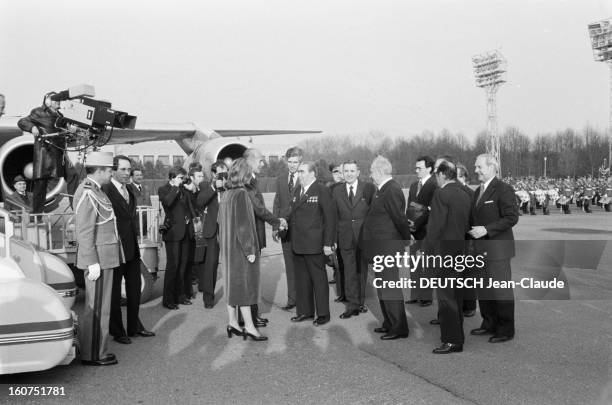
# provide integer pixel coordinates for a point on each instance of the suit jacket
(283, 196)
(312, 220)
(449, 221)
(142, 196)
(351, 215)
(497, 211)
(207, 198)
(179, 212)
(95, 227)
(17, 202)
(127, 220)
(422, 199)
(262, 215)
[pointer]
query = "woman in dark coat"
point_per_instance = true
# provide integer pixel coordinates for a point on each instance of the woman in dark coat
(239, 251)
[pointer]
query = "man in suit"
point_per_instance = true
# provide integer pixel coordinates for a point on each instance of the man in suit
(469, 294)
(494, 213)
(178, 237)
(312, 231)
(98, 253)
(353, 200)
(447, 227)
(419, 201)
(20, 200)
(338, 279)
(208, 199)
(124, 206)
(284, 187)
(385, 232)
(138, 189)
(256, 161)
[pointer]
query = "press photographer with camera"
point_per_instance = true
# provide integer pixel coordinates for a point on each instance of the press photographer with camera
(178, 236)
(49, 158)
(208, 200)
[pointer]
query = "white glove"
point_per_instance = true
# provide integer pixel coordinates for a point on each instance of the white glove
(327, 250)
(94, 271)
(251, 258)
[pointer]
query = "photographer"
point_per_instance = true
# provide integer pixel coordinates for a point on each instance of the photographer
(208, 200)
(177, 236)
(196, 255)
(49, 160)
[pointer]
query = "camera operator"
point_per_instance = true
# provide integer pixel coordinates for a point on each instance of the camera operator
(208, 200)
(49, 160)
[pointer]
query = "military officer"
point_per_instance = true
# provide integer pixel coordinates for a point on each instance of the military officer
(98, 252)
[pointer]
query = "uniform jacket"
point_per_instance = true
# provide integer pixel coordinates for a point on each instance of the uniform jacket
(312, 220)
(351, 215)
(497, 211)
(176, 202)
(95, 227)
(127, 220)
(48, 154)
(422, 199)
(207, 198)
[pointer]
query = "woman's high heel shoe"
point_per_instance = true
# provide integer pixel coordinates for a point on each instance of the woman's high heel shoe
(246, 334)
(233, 331)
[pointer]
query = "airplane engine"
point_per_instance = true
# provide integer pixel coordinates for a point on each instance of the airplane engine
(220, 148)
(15, 155)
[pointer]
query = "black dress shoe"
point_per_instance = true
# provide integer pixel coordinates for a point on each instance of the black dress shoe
(259, 324)
(171, 306)
(288, 307)
(321, 320)
(301, 318)
(260, 319)
(348, 314)
(411, 301)
(499, 338)
(106, 361)
(341, 298)
(469, 313)
(363, 309)
(259, 338)
(425, 303)
(381, 330)
(144, 333)
(448, 348)
(208, 305)
(185, 302)
(480, 332)
(332, 281)
(122, 339)
(393, 336)
(434, 322)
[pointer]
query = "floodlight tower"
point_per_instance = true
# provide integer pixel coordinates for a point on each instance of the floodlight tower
(601, 42)
(490, 73)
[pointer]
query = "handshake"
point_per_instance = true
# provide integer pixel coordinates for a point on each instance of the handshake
(282, 227)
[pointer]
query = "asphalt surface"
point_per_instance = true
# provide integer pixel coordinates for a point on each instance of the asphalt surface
(560, 355)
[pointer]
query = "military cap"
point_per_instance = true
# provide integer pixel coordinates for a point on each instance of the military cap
(18, 178)
(104, 159)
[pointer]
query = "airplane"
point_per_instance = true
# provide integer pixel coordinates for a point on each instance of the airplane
(204, 146)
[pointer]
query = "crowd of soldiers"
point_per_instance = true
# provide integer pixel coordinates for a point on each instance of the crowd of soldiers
(533, 193)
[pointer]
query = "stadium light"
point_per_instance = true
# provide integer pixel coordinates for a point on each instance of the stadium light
(601, 42)
(490, 73)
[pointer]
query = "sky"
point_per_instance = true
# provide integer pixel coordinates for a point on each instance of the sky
(343, 67)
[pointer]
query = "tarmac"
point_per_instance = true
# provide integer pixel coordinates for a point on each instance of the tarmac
(560, 354)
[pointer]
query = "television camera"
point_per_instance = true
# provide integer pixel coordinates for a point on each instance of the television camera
(83, 121)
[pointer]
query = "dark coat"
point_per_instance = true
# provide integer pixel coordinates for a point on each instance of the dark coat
(351, 215)
(177, 207)
(312, 220)
(497, 211)
(207, 198)
(127, 220)
(449, 221)
(282, 196)
(17, 202)
(142, 195)
(48, 154)
(420, 203)
(237, 240)
(262, 215)
(385, 219)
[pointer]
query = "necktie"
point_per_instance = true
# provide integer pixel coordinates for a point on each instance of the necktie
(351, 195)
(419, 187)
(480, 192)
(291, 183)
(124, 193)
